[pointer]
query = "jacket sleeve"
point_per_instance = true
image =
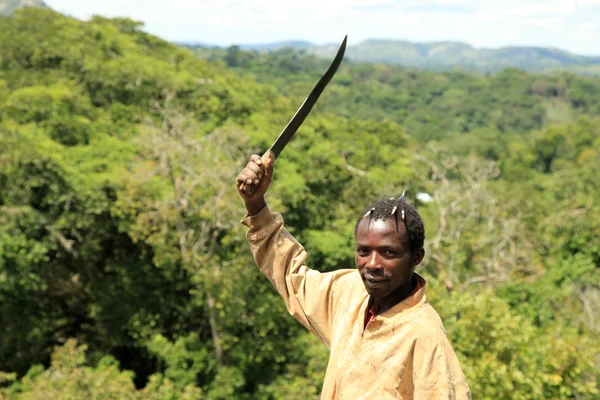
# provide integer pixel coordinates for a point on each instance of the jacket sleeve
(308, 294)
(437, 371)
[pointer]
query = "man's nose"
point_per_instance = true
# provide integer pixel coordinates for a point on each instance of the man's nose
(374, 261)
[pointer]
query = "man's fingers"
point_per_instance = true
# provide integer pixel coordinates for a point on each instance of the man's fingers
(257, 173)
(256, 158)
(254, 167)
(247, 176)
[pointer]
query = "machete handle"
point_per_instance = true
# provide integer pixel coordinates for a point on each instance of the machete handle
(249, 189)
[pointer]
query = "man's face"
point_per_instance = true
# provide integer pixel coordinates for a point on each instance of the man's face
(383, 256)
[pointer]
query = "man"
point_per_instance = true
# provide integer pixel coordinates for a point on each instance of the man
(385, 339)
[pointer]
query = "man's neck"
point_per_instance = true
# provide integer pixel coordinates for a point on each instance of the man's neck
(397, 296)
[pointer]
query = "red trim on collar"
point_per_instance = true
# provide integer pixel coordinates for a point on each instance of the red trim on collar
(370, 314)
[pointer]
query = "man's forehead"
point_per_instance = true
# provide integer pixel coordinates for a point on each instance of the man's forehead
(383, 227)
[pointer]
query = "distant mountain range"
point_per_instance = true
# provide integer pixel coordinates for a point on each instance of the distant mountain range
(446, 55)
(8, 7)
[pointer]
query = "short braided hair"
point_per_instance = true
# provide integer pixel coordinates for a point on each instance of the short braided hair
(394, 209)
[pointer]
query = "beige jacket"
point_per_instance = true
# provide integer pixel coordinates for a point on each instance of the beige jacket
(402, 354)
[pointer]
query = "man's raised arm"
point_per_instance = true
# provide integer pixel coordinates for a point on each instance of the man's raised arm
(308, 294)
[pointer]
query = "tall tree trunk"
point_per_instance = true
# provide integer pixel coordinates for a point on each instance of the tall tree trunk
(213, 326)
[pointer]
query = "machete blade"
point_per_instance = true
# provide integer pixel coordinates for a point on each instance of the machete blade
(298, 118)
(288, 132)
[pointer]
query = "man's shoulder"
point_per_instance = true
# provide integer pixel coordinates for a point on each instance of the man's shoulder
(347, 274)
(426, 323)
(348, 284)
(347, 279)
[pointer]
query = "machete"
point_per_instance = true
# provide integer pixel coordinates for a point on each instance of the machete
(288, 132)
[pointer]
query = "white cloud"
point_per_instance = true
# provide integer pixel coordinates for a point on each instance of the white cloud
(590, 26)
(548, 22)
(567, 24)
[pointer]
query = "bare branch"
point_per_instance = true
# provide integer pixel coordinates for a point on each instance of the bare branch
(66, 244)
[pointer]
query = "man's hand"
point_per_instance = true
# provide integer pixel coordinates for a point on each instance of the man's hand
(259, 174)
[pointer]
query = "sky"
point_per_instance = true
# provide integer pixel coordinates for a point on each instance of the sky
(572, 25)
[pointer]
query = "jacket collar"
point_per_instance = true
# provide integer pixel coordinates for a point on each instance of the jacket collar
(416, 299)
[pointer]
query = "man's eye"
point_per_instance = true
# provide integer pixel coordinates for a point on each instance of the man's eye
(390, 253)
(362, 252)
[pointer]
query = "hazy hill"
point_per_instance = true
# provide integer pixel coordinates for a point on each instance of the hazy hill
(8, 7)
(295, 44)
(450, 55)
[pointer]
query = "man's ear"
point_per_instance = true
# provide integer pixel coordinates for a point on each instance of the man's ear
(418, 256)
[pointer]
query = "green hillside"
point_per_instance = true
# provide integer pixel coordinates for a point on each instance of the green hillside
(124, 271)
(431, 105)
(444, 56)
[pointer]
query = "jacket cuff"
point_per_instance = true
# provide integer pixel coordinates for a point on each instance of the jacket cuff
(259, 220)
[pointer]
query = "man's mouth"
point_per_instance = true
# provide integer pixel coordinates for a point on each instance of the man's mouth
(374, 279)
(373, 282)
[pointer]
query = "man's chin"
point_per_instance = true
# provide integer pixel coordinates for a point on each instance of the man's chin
(376, 290)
